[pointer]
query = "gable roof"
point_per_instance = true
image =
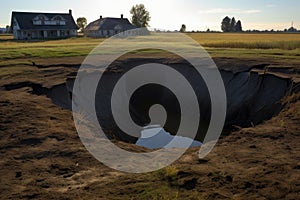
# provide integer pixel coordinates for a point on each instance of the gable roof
(109, 23)
(24, 20)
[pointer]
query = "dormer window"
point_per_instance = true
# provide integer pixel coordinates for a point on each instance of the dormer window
(118, 27)
(41, 17)
(44, 20)
(58, 18)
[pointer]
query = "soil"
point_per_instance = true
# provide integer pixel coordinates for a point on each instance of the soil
(42, 156)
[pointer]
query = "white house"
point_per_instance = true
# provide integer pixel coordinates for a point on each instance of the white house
(29, 25)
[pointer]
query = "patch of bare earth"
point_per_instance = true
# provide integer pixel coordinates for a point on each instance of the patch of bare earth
(42, 156)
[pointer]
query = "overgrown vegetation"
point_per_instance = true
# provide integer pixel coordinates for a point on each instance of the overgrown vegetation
(168, 173)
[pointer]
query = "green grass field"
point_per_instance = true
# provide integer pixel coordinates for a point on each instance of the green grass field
(229, 45)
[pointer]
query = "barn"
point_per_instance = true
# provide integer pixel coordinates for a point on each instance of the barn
(31, 25)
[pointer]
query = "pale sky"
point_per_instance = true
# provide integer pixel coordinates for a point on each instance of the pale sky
(170, 14)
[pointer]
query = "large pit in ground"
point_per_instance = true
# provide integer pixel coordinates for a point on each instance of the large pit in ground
(254, 94)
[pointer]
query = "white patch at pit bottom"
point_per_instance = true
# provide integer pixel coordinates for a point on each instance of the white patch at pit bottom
(154, 137)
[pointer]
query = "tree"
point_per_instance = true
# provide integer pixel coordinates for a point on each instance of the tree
(238, 26)
(183, 28)
(7, 29)
(232, 25)
(226, 24)
(81, 23)
(140, 16)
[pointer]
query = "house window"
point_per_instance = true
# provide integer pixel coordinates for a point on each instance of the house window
(40, 20)
(58, 18)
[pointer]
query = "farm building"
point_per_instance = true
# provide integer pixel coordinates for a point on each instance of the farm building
(106, 27)
(29, 25)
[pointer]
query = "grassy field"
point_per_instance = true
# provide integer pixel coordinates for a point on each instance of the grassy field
(229, 45)
(248, 40)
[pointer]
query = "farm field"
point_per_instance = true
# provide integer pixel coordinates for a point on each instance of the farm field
(274, 47)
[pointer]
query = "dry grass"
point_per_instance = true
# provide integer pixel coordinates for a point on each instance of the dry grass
(249, 41)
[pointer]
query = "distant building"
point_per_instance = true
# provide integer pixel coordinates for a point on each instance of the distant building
(29, 25)
(106, 27)
(2, 30)
(292, 29)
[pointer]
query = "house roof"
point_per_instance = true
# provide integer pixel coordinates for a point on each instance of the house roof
(109, 23)
(25, 21)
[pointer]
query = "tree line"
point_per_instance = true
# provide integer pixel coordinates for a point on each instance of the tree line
(231, 25)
